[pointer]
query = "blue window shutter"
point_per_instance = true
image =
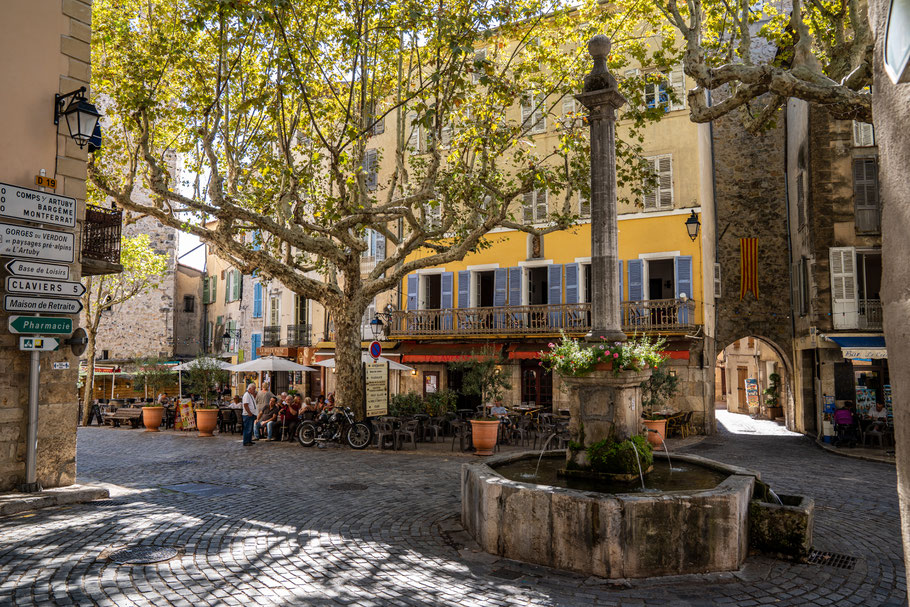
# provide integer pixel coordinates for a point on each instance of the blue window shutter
(255, 342)
(514, 286)
(621, 293)
(572, 283)
(636, 290)
(683, 265)
(413, 282)
(554, 297)
(464, 289)
(257, 300)
(500, 290)
(447, 284)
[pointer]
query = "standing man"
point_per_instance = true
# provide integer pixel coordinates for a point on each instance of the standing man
(249, 414)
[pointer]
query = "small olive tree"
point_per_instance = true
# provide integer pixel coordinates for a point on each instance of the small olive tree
(483, 376)
(152, 373)
(203, 376)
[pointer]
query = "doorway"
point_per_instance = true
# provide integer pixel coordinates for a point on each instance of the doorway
(432, 291)
(536, 385)
(537, 286)
(661, 279)
(485, 289)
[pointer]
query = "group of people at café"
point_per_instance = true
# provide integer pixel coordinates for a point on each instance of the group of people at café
(264, 414)
(848, 423)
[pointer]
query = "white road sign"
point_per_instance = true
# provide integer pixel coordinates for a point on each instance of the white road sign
(37, 286)
(38, 269)
(41, 305)
(22, 241)
(63, 365)
(41, 344)
(31, 205)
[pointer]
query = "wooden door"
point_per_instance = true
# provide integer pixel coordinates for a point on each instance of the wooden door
(742, 403)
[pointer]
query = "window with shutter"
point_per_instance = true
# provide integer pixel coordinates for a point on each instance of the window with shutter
(527, 208)
(568, 106)
(413, 133)
(844, 304)
(678, 84)
(371, 168)
(378, 123)
(434, 216)
(257, 300)
(865, 195)
(275, 310)
(660, 198)
(532, 113)
(213, 289)
(205, 290)
(863, 134)
(479, 67)
(227, 286)
(534, 207)
(238, 285)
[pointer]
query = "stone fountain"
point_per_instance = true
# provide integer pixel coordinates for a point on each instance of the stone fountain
(614, 531)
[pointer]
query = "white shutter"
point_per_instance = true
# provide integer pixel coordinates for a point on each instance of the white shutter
(527, 208)
(678, 84)
(479, 58)
(665, 182)
(532, 114)
(413, 132)
(568, 105)
(540, 206)
(447, 132)
(863, 134)
(650, 197)
(584, 205)
(844, 304)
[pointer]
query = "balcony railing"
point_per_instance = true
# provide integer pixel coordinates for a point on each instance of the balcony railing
(101, 240)
(271, 335)
(299, 336)
(657, 315)
(870, 314)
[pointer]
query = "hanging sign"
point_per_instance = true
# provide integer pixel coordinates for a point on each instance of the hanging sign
(38, 269)
(42, 207)
(22, 241)
(41, 305)
(37, 286)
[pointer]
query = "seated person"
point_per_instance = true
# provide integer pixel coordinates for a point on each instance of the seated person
(235, 403)
(290, 416)
(498, 410)
(879, 416)
(308, 411)
(268, 417)
(845, 425)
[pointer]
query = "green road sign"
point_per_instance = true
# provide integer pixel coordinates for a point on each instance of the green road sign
(51, 325)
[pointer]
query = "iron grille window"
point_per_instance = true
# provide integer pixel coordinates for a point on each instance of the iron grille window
(101, 236)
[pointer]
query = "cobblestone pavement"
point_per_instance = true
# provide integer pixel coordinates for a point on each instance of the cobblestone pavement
(281, 525)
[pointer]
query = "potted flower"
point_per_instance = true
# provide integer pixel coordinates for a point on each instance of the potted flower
(574, 358)
(152, 414)
(483, 378)
(657, 428)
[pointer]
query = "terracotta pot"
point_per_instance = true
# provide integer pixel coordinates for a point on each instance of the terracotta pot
(206, 420)
(656, 424)
(483, 435)
(603, 367)
(151, 418)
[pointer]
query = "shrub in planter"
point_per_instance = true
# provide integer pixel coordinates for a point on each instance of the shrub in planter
(402, 405)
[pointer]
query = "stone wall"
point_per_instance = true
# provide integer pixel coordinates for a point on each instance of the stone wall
(188, 323)
(144, 325)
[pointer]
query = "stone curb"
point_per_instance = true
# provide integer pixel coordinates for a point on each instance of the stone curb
(882, 459)
(12, 503)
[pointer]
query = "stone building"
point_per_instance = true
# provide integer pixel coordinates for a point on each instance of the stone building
(47, 51)
(164, 322)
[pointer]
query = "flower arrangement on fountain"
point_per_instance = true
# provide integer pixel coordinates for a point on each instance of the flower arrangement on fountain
(574, 357)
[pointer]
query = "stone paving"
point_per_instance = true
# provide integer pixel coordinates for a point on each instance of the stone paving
(276, 524)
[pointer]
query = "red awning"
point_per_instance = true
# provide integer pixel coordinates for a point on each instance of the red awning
(441, 353)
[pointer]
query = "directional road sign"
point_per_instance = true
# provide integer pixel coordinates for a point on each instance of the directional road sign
(41, 344)
(61, 365)
(50, 245)
(53, 325)
(41, 305)
(38, 286)
(38, 269)
(31, 205)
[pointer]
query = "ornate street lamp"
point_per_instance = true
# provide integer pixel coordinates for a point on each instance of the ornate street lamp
(376, 326)
(81, 116)
(692, 224)
(229, 334)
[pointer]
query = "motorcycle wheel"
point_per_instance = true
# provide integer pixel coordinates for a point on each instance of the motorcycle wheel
(359, 436)
(306, 434)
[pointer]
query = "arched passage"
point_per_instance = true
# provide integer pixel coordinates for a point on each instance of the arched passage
(746, 372)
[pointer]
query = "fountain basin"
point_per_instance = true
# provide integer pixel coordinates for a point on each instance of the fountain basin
(611, 535)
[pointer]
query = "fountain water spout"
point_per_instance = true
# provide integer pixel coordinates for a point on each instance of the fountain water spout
(542, 452)
(641, 474)
(663, 442)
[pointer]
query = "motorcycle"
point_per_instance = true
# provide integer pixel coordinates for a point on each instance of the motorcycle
(335, 426)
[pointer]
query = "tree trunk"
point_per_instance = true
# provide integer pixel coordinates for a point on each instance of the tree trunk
(88, 391)
(348, 366)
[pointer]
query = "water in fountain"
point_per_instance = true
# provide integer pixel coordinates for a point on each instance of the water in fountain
(640, 474)
(775, 496)
(663, 442)
(542, 452)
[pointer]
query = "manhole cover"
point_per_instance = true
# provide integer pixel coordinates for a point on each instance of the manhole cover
(142, 555)
(348, 487)
(832, 559)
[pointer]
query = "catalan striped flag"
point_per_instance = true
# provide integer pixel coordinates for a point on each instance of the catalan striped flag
(748, 265)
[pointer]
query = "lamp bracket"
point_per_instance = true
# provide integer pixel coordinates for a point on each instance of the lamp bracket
(60, 101)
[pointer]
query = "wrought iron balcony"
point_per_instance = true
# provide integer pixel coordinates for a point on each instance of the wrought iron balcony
(271, 335)
(870, 314)
(299, 336)
(647, 316)
(101, 241)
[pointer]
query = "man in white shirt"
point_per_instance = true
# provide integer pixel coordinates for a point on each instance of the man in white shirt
(250, 410)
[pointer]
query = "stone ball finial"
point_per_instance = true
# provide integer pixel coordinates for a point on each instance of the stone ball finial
(599, 46)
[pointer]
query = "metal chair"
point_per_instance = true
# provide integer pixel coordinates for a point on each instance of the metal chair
(383, 431)
(409, 429)
(462, 432)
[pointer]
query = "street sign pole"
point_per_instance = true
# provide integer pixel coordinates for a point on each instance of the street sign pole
(31, 453)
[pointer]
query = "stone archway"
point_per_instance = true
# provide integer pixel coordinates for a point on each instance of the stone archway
(744, 369)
